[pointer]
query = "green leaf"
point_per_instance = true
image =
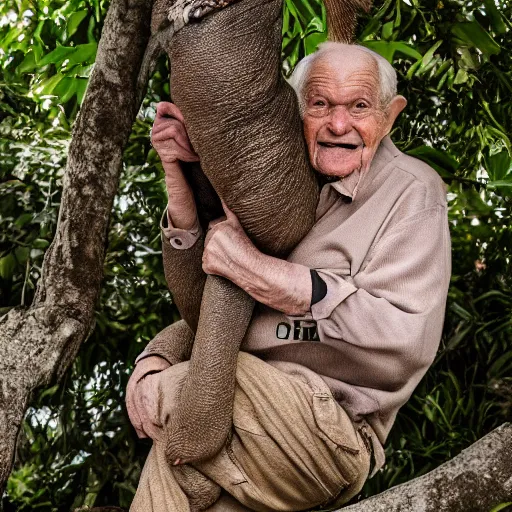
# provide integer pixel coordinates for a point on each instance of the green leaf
(474, 35)
(7, 266)
(461, 77)
(81, 87)
(74, 21)
(441, 161)
(429, 55)
(49, 392)
(388, 49)
(40, 243)
(387, 30)
(66, 89)
(498, 165)
(84, 53)
(502, 366)
(312, 41)
(47, 86)
(28, 63)
(495, 16)
(467, 59)
(370, 29)
(21, 254)
(501, 506)
(499, 184)
(23, 219)
(57, 56)
(455, 340)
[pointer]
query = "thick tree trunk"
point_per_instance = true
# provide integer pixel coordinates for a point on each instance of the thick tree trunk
(475, 481)
(38, 344)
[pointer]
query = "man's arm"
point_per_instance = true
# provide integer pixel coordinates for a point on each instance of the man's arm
(170, 140)
(393, 307)
(276, 283)
(182, 240)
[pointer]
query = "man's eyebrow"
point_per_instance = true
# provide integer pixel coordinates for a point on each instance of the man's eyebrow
(311, 88)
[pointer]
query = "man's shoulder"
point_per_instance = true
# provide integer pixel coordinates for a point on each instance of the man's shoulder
(420, 177)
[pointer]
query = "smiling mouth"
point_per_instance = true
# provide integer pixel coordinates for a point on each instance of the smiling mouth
(341, 145)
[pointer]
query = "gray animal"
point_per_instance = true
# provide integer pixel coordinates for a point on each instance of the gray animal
(243, 121)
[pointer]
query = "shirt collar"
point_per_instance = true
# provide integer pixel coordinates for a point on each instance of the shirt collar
(353, 183)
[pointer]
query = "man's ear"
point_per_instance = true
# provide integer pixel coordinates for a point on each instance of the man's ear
(396, 106)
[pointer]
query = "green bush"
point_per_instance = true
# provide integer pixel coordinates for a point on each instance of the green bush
(454, 62)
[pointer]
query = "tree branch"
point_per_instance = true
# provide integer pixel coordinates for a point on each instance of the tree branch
(476, 480)
(39, 343)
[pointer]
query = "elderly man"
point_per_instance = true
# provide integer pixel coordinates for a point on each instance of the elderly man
(355, 313)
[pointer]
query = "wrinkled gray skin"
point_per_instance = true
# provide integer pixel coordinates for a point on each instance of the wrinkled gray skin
(243, 121)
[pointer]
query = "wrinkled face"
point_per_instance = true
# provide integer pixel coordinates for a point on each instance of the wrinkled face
(343, 119)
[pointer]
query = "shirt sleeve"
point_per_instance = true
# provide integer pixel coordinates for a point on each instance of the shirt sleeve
(179, 238)
(394, 307)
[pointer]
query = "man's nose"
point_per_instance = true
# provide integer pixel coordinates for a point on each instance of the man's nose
(339, 120)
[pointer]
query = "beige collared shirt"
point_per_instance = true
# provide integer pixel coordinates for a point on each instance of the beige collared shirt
(381, 243)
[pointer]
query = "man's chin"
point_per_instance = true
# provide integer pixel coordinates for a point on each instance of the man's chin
(337, 171)
(338, 162)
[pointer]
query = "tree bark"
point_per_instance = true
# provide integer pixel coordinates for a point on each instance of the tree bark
(475, 481)
(38, 344)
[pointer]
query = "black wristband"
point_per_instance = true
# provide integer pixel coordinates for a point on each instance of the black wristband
(318, 288)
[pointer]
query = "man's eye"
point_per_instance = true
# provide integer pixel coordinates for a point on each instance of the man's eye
(361, 104)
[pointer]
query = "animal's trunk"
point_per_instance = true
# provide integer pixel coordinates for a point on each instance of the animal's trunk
(244, 123)
(342, 18)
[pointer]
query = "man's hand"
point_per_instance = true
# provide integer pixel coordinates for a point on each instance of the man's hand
(279, 284)
(227, 249)
(169, 136)
(170, 140)
(141, 397)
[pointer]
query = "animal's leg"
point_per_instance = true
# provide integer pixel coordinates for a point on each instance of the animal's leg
(199, 489)
(183, 11)
(161, 487)
(174, 343)
(183, 268)
(202, 421)
(229, 98)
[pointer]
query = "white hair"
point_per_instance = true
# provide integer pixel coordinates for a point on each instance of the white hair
(387, 75)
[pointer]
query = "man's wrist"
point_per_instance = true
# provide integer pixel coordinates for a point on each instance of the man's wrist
(181, 203)
(180, 238)
(277, 283)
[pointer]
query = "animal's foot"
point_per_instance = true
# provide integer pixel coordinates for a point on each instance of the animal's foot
(184, 11)
(200, 490)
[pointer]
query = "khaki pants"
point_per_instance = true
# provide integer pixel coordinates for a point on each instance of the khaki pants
(292, 446)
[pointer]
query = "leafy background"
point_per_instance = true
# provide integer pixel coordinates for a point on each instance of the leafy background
(454, 62)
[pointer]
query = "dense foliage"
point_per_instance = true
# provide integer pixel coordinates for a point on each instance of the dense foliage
(454, 61)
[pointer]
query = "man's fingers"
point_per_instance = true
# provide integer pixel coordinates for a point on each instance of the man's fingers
(216, 221)
(133, 413)
(141, 410)
(174, 133)
(229, 214)
(167, 109)
(212, 228)
(171, 132)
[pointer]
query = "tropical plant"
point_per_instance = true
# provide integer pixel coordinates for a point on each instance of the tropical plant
(454, 62)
